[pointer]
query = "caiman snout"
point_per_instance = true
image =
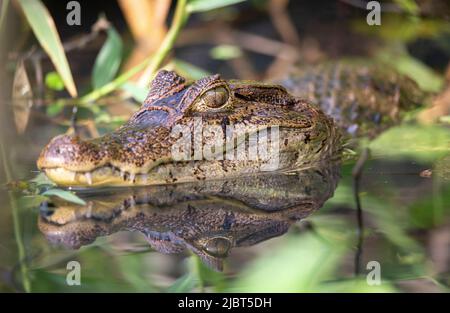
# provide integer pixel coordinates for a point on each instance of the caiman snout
(67, 159)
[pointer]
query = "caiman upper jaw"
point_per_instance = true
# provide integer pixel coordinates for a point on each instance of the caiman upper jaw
(71, 153)
(68, 159)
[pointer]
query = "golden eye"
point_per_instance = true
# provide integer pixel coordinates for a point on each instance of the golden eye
(218, 246)
(215, 98)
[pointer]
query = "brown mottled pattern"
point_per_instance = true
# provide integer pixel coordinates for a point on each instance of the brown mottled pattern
(139, 152)
(247, 210)
(165, 84)
(363, 98)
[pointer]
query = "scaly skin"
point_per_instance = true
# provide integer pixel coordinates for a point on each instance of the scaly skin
(361, 99)
(207, 217)
(140, 152)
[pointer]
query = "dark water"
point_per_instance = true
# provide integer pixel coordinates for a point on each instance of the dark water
(274, 232)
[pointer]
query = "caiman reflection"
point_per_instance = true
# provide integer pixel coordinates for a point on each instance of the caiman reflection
(208, 217)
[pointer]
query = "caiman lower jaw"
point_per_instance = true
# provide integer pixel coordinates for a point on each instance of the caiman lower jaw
(102, 176)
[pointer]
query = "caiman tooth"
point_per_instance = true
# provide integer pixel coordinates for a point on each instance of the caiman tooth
(144, 178)
(88, 177)
(73, 176)
(132, 201)
(89, 209)
(132, 177)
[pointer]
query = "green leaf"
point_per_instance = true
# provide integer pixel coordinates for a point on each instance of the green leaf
(45, 31)
(225, 52)
(108, 60)
(42, 180)
(208, 5)
(132, 268)
(185, 283)
(409, 6)
(105, 278)
(433, 209)
(301, 264)
(422, 143)
(55, 108)
(64, 194)
(54, 81)
(137, 92)
(30, 202)
(189, 70)
(425, 77)
(204, 276)
(402, 28)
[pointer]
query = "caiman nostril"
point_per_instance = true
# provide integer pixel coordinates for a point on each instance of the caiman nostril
(71, 153)
(51, 155)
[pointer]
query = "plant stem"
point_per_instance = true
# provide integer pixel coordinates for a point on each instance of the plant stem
(113, 85)
(179, 19)
(151, 63)
(16, 223)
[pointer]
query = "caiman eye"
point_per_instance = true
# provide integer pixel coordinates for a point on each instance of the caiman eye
(218, 246)
(215, 98)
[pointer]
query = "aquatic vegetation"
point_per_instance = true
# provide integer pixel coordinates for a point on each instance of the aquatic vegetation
(300, 233)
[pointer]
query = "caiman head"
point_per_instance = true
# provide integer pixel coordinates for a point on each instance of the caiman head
(209, 129)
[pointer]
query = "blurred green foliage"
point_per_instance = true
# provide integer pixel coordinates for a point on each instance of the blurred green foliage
(397, 28)
(301, 264)
(426, 78)
(225, 52)
(54, 81)
(55, 108)
(409, 6)
(303, 261)
(108, 59)
(64, 194)
(46, 33)
(208, 5)
(422, 143)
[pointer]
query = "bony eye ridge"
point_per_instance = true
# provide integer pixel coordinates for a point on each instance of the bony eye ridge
(215, 98)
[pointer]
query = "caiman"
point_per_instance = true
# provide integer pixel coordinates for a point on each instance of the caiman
(215, 128)
(209, 218)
